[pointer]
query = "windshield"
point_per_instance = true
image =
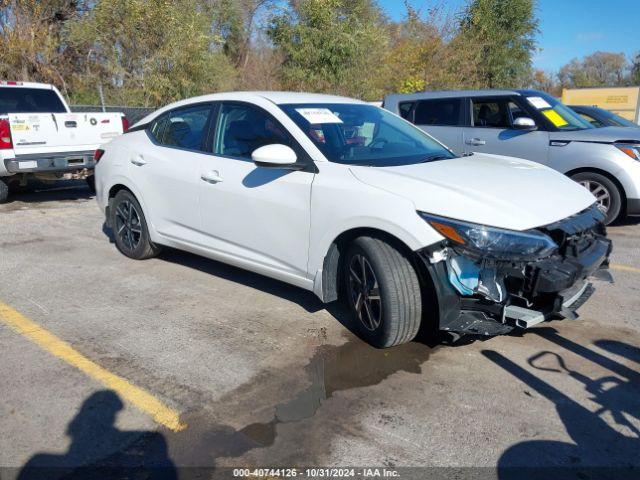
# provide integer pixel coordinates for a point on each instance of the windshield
(359, 134)
(617, 120)
(558, 114)
(29, 100)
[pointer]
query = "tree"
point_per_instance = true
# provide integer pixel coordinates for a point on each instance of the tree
(330, 45)
(506, 30)
(149, 52)
(600, 69)
(634, 76)
(541, 80)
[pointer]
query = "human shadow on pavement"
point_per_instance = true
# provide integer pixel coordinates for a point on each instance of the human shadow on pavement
(606, 442)
(99, 450)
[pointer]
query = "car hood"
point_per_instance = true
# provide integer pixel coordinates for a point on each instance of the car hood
(604, 134)
(488, 189)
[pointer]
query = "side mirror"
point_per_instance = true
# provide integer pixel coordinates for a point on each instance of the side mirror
(524, 123)
(274, 156)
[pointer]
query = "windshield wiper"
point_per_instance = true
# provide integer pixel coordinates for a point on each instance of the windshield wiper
(434, 158)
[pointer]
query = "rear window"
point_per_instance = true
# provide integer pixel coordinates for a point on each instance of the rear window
(444, 111)
(29, 100)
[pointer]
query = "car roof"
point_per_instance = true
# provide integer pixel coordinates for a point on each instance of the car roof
(398, 97)
(18, 84)
(279, 98)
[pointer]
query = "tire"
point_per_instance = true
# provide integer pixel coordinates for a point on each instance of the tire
(4, 190)
(91, 183)
(389, 314)
(130, 227)
(605, 190)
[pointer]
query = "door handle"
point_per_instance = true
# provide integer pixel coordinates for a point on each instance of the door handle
(212, 177)
(138, 161)
(476, 141)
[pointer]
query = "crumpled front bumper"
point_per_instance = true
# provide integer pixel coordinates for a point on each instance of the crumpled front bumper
(519, 294)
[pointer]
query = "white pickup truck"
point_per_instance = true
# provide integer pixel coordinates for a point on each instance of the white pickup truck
(39, 136)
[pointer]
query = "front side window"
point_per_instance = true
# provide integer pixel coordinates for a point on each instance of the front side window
(182, 128)
(360, 134)
(491, 113)
(243, 128)
(444, 111)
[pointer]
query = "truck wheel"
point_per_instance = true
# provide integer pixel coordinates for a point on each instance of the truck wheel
(4, 190)
(91, 183)
(383, 292)
(130, 227)
(607, 194)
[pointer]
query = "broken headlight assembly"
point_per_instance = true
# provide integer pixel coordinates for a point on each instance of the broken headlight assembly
(490, 242)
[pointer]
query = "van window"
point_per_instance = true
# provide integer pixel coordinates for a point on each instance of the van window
(493, 113)
(445, 111)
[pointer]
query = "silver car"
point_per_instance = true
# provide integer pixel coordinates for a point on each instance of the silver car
(534, 126)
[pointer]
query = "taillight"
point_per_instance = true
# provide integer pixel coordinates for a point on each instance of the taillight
(5, 134)
(98, 155)
(125, 124)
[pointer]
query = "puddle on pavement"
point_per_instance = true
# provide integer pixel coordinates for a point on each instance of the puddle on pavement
(331, 370)
(334, 369)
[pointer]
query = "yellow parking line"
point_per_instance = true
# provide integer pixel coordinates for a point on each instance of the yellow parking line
(142, 399)
(624, 268)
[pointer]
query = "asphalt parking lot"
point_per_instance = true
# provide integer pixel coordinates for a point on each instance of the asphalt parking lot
(184, 362)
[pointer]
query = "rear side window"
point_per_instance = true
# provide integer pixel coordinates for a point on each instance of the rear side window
(242, 128)
(444, 111)
(182, 128)
(30, 100)
(492, 113)
(405, 109)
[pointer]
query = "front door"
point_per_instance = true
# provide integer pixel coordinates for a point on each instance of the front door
(254, 215)
(492, 131)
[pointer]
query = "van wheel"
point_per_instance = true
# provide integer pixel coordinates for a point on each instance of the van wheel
(4, 190)
(607, 194)
(383, 292)
(130, 227)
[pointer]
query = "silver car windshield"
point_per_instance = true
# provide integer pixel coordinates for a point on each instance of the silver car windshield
(360, 134)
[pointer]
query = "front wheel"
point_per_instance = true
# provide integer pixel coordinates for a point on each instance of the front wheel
(130, 227)
(606, 192)
(383, 292)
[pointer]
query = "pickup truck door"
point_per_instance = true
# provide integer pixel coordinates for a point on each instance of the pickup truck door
(253, 215)
(492, 131)
(442, 118)
(165, 166)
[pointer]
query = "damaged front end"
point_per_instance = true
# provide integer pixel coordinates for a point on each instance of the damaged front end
(490, 281)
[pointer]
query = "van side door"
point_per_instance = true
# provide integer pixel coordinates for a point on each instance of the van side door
(443, 118)
(492, 130)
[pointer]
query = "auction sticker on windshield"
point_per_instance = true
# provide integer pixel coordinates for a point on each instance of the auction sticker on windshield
(317, 116)
(538, 102)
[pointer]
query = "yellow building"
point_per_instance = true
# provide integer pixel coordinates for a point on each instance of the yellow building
(623, 101)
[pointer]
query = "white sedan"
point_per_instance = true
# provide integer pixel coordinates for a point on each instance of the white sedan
(345, 199)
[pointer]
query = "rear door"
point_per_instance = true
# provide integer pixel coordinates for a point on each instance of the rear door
(165, 166)
(252, 214)
(444, 119)
(492, 130)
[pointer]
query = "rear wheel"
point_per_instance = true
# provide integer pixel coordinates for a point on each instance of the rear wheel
(607, 193)
(130, 227)
(383, 292)
(4, 190)
(91, 183)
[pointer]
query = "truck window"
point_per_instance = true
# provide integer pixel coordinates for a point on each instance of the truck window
(445, 111)
(30, 100)
(405, 109)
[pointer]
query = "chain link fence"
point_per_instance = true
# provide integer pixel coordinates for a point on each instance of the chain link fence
(132, 113)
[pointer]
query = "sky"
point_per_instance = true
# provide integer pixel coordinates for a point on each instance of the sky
(568, 28)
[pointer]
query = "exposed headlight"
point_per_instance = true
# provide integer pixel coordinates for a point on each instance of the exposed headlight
(630, 149)
(498, 243)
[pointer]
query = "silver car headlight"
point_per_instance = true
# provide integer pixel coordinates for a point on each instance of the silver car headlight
(492, 242)
(630, 149)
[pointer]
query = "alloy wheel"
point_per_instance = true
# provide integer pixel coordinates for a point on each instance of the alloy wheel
(603, 197)
(128, 226)
(364, 292)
